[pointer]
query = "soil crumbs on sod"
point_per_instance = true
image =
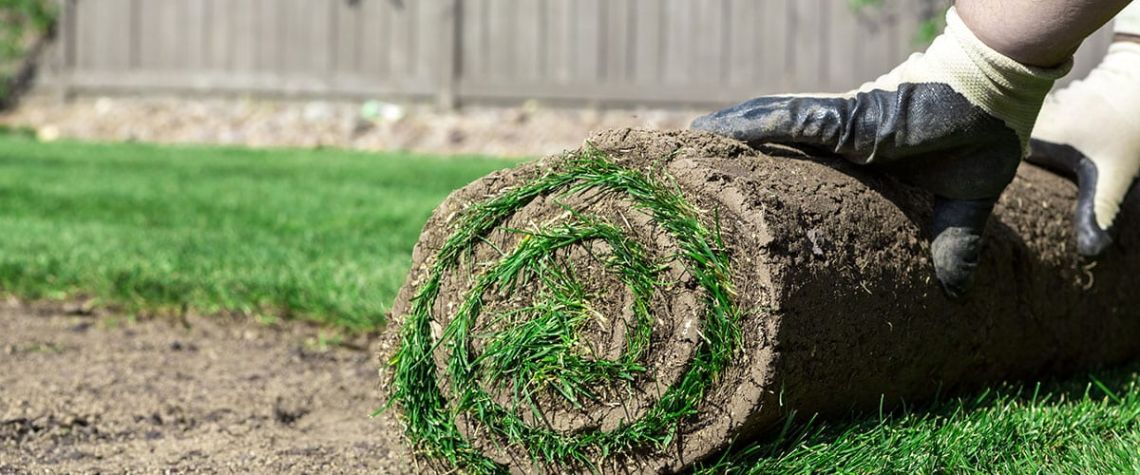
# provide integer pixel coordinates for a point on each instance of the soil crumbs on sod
(86, 393)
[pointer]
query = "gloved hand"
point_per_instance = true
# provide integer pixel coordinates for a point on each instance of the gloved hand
(1091, 130)
(955, 120)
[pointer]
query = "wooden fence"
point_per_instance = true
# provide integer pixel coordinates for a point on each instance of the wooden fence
(580, 51)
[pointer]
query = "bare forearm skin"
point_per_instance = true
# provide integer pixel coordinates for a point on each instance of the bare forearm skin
(1041, 33)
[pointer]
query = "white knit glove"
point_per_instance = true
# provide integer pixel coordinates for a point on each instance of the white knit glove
(955, 120)
(1091, 130)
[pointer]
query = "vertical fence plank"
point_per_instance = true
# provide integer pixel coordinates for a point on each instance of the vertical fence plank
(617, 57)
(84, 22)
(771, 67)
(648, 41)
(447, 15)
(196, 35)
(842, 65)
(743, 43)
(910, 16)
(315, 24)
(804, 45)
(872, 48)
(501, 29)
(243, 42)
(560, 41)
(529, 26)
(348, 47)
(588, 42)
(678, 42)
(375, 39)
(472, 21)
(708, 45)
(218, 35)
(266, 17)
(399, 44)
(436, 57)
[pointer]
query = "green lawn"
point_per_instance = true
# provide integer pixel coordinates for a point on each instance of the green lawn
(317, 235)
(326, 236)
(1082, 425)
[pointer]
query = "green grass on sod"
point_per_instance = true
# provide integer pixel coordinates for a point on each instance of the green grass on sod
(327, 236)
(318, 235)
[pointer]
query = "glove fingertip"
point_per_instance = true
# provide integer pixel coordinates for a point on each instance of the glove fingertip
(956, 254)
(1092, 239)
(959, 226)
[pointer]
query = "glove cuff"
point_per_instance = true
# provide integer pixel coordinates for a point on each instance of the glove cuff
(1003, 87)
(1128, 21)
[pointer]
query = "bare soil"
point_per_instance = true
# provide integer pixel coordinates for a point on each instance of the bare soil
(84, 392)
(528, 130)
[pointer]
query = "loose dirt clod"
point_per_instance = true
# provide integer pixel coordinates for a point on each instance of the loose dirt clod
(778, 282)
(80, 393)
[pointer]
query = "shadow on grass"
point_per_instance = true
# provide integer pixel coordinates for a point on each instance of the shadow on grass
(1080, 424)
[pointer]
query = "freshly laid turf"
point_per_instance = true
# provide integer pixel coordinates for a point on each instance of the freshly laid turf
(318, 235)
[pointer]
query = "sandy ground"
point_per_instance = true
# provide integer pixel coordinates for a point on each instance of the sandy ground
(83, 392)
(531, 129)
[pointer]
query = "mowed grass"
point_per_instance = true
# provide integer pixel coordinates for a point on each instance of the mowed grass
(1087, 424)
(326, 236)
(318, 235)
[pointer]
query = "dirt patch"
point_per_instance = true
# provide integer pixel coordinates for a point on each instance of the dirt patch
(83, 393)
(530, 130)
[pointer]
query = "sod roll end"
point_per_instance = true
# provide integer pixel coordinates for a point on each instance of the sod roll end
(642, 303)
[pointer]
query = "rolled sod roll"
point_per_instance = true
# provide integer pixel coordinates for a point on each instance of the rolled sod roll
(638, 305)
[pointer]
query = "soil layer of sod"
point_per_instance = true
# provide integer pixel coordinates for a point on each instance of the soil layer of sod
(641, 303)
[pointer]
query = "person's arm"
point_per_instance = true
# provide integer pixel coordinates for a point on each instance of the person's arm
(955, 120)
(1040, 33)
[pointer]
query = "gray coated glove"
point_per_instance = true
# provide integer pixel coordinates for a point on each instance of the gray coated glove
(954, 120)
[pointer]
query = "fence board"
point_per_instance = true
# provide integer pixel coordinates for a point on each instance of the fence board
(842, 69)
(743, 43)
(776, 69)
(588, 42)
(501, 28)
(243, 44)
(529, 20)
(472, 38)
(616, 39)
(401, 44)
(708, 45)
(647, 39)
(678, 41)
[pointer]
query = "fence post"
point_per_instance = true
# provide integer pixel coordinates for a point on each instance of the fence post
(450, 14)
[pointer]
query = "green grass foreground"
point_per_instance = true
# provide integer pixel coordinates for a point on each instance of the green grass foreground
(317, 235)
(1086, 424)
(327, 236)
